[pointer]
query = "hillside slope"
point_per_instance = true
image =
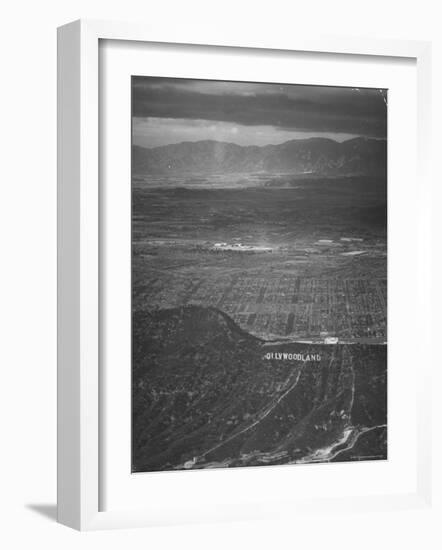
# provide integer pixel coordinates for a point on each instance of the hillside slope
(205, 394)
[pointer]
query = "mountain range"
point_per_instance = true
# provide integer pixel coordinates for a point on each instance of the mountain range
(321, 156)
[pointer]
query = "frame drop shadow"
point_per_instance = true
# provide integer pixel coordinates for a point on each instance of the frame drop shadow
(49, 511)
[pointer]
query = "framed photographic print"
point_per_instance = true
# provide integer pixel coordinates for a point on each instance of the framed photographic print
(235, 245)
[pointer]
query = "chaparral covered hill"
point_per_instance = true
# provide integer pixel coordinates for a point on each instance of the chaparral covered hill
(208, 394)
(315, 155)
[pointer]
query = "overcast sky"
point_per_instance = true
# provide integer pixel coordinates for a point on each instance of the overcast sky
(169, 110)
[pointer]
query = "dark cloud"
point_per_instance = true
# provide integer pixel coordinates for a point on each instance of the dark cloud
(359, 111)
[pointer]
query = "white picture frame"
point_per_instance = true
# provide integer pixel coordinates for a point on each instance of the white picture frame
(79, 366)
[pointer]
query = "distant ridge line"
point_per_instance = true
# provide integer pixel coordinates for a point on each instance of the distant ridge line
(324, 156)
(295, 140)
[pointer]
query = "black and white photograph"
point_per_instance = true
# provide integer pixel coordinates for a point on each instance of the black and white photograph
(259, 274)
